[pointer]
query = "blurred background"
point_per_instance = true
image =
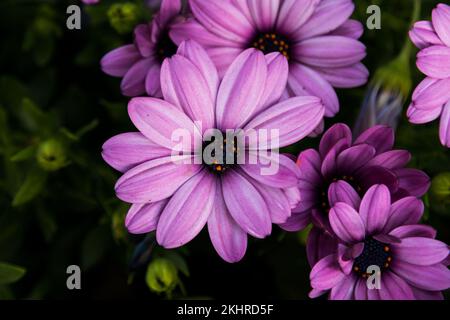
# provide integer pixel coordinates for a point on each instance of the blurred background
(57, 202)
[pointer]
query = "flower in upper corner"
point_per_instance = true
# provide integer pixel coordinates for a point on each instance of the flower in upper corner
(139, 64)
(176, 197)
(88, 2)
(340, 167)
(431, 98)
(379, 236)
(316, 36)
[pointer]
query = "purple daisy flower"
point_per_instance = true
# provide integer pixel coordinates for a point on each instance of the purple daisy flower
(431, 99)
(342, 166)
(410, 263)
(315, 35)
(176, 197)
(139, 64)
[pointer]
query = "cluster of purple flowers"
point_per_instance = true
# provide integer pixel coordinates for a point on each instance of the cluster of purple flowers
(273, 65)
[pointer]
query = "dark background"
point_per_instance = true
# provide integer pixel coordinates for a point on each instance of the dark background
(51, 88)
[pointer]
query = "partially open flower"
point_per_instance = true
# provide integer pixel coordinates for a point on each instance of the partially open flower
(380, 239)
(139, 64)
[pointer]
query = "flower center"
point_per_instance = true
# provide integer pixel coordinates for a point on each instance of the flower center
(220, 154)
(375, 253)
(165, 47)
(271, 42)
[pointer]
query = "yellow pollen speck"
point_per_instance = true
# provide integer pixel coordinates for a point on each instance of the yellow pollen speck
(386, 248)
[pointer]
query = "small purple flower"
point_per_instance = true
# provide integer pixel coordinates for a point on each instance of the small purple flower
(316, 36)
(431, 99)
(139, 64)
(176, 198)
(377, 234)
(343, 168)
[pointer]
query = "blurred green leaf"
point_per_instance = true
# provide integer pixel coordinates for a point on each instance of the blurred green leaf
(10, 273)
(24, 154)
(31, 187)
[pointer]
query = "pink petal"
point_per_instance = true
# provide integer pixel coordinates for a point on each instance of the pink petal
(199, 57)
(332, 136)
(241, 89)
(143, 218)
(142, 40)
(183, 85)
(350, 28)
(441, 21)
(444, 126)
(292, 119)
(273, 170)
(276, 201)
(118, 61)
(229, 240)
(152, 81)
(434, 95)
(328, 16)
(423, 35)
(345, 77)
(277, 75)
(419, 116)
(246, 205)
(223, 19)
(341, 191)
(346, 223)
(187, 211)
(413, 230)
(160, 121)
(380, 137)
(394, 288)
(294, 13)
(434, 278)
(192, 29)
(330, 51)
(420, 251)
(434, 61)
(127, 150)
(168, 10)
(375, 208)
(392, 159)
(264, 13)
(407, 210)
(305, 81)
(326, 273)
(133, 83)
(156, 179)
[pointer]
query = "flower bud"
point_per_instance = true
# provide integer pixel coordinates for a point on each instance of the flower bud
(162, 276)
(123, 16)
(51, 155)
(440, 187)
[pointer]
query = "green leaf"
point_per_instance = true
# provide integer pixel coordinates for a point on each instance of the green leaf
(33, 117)
(10, 273)
(31, 187)
(24, 154)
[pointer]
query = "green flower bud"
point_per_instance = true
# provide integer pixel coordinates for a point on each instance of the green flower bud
(123, 16)
(440, 186)
(51, 155)
(162, 276)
